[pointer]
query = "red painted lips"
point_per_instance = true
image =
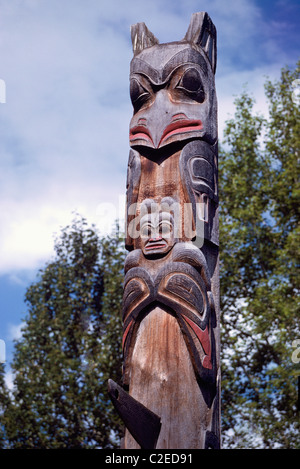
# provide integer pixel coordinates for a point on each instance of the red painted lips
(140, 132)
(155, 246)
(178, 125)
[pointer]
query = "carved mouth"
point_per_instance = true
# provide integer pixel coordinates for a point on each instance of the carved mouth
(151, 246)
(140, 132)
(180, 124)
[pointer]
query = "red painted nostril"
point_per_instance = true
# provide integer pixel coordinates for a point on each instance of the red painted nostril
(178, 116)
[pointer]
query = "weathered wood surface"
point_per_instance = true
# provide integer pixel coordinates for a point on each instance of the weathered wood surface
(171, 288)
(163, 378)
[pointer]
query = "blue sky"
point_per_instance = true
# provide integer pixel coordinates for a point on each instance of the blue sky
(64, 125)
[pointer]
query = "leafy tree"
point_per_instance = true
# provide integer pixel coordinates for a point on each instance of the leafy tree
(71, 341)
(69, 347)
(259, 232)
(4, 406)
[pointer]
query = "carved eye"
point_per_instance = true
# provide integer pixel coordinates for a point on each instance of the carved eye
(165, 229)
(146, 231)
(138, 94)
(191, 84)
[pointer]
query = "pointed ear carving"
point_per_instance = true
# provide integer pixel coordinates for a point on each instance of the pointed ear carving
(141, 38)
(202, 32)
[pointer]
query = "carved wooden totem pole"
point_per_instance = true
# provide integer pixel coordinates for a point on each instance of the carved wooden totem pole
(171, 378)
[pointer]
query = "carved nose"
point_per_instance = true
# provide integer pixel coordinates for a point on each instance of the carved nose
(149, 126)
(158, 238)
(154, 128)
(142, 121)
(157, 120)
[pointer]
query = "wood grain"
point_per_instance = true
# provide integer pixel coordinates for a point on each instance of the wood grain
(163, 380)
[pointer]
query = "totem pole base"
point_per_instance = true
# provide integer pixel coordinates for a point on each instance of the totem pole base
(161, 367)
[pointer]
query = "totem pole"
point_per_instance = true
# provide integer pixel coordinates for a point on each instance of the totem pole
(170, 396)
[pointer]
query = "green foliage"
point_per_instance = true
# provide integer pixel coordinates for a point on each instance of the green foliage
(70, 346)
(4, 406)
(259, 232)
(71, 342)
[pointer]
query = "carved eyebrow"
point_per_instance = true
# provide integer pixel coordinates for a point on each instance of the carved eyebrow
(186, 56)
(147, 223)
(143, 68)
(159, 77)
(148, 226)
(166, 217)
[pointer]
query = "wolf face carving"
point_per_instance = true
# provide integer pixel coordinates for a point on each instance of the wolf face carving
(171, 280)
(177, 79)
(181, 87)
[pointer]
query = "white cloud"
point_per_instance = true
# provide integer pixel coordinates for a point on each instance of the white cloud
(15, 331)
(27, 236)
(64, 127)
(9, 379)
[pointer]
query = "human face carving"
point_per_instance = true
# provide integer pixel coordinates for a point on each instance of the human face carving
(157, 233)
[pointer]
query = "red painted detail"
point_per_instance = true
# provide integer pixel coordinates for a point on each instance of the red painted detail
(142, 121)
(154, 243)
(178, 116)
(156, 246)
(126, 333)
(179, 126)
(140, 132)
(203, 337)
